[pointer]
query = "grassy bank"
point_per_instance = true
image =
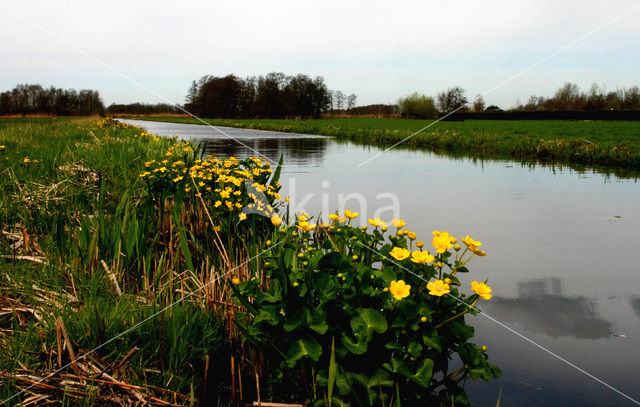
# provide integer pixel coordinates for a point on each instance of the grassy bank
(91, 246)
(605, 143)
(135, 271)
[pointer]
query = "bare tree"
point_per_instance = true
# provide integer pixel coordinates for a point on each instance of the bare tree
(478, 104)
(339, 99)
(452, 99)
(351, 101)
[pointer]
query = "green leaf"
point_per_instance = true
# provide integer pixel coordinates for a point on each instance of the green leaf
(424, 373)
(269, 314)
(367, 322)
(332, 371)
(318, 325)
(357, 348)
(432, 341)
(398, 366)
(414, 349)
(305, 347)
(293, 322)
(276, 174)
(463, 331)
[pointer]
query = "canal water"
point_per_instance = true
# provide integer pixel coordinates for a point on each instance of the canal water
(563, 251)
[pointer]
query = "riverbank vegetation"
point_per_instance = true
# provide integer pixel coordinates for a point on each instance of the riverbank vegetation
(133, 270)
(593, 143)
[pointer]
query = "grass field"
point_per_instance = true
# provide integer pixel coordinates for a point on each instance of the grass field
(598, 143)
(83, 258)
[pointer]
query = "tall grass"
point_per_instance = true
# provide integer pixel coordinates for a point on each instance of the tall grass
(88, 250)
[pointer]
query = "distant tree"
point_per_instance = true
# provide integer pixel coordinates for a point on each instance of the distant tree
(321, 97)
(270, 95)
(351, 102)
(567, 97)
(332, 98)
(532, 104)
(219, 97)
(34, 99)
(595, 99)
(453, 99)
(417, 106)
(614, 100)
(632, 98)
(478, 104)
(493, 108)
(339, 99)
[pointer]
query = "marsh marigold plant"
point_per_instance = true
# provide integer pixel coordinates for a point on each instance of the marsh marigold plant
(361, 318)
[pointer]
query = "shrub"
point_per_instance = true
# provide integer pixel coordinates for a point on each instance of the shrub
(417, 106)
(364, 317)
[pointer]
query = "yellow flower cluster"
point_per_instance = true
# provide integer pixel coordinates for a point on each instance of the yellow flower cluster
(222, 181)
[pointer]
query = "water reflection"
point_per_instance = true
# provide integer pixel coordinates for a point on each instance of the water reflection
(541, 307)
(635, 304)
(307, 152)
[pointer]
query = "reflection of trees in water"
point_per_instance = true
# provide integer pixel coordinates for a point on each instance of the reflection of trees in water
(307, 151)
(542, 308)
(635, 304)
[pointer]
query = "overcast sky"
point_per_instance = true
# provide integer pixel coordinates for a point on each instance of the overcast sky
(378, 50)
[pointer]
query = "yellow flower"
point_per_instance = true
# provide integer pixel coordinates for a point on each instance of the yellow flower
(224, 194)
(399, 289)
(217, 204)
(483, 290)
(399, 253)
(303, 217)
(473, 245)
(398, 223)
(422, 257)
(438, 288)
(242, 216)
(26, 160)
(305, 226)
(235, 281)
(419, 244)
(441, 241)
(324, 225)
(351, 215)
(178, 178)
(470, 242)
(376, 222)
(412, 236)
(334, 217)
(276, 220)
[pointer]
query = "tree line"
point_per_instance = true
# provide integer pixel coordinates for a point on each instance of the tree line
(29, 99)
(567, 98)
(274, 95)
(142, 109)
